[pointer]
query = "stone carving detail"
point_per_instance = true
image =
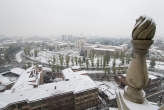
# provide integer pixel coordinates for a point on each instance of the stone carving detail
(137, 75)
(144, 29)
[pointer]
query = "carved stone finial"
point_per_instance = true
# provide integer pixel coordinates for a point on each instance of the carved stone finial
(137, 75)
(144, 29)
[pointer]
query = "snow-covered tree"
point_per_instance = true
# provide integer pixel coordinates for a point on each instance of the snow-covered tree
(92, 61)
(104, 61)
(108, 59)
(53, 68)
(80, 61)
(67, 60)
(108, 71)
(76, 61)
(27, 51)
(122, 60)
(35, 53)
(105, 71)
(72, 60)
(101, 61)
(57, 68)
(54, 60)
(87, 63)
(98, 63)
(114, 66)
(61, 60)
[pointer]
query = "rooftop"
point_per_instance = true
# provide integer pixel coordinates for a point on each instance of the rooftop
(23, 91)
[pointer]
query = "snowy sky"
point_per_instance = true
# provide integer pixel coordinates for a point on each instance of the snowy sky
(87, 17)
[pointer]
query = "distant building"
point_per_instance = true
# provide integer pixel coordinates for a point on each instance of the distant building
(9, 43)
(80, 43)
(100, 50)
(2, 51)
(61, 45)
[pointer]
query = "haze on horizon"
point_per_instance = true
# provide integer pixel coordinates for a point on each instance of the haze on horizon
(87, 17)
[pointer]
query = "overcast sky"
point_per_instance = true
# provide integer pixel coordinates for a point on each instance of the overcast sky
(87, 17)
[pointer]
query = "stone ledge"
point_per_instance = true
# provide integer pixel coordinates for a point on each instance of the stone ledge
(124, 104)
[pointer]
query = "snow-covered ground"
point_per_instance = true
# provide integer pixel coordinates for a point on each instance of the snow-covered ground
(156, 53)
(158, 65)
(47, 56)
(18, 57)
(156, 74)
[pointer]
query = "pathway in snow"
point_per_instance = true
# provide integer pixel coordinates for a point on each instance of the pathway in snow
(18, 57)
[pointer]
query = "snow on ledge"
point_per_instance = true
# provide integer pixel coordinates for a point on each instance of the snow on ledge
(134, 106)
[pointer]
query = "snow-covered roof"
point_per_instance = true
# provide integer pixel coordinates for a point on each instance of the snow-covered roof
(84, 82)
(108, 88)
(90, 46)
(25, 81)
(43, 91)
(21, 91)
(17, 71)
(109, 92)
(93, 71)
(104, 49)
(5, 80)
(69, 74)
